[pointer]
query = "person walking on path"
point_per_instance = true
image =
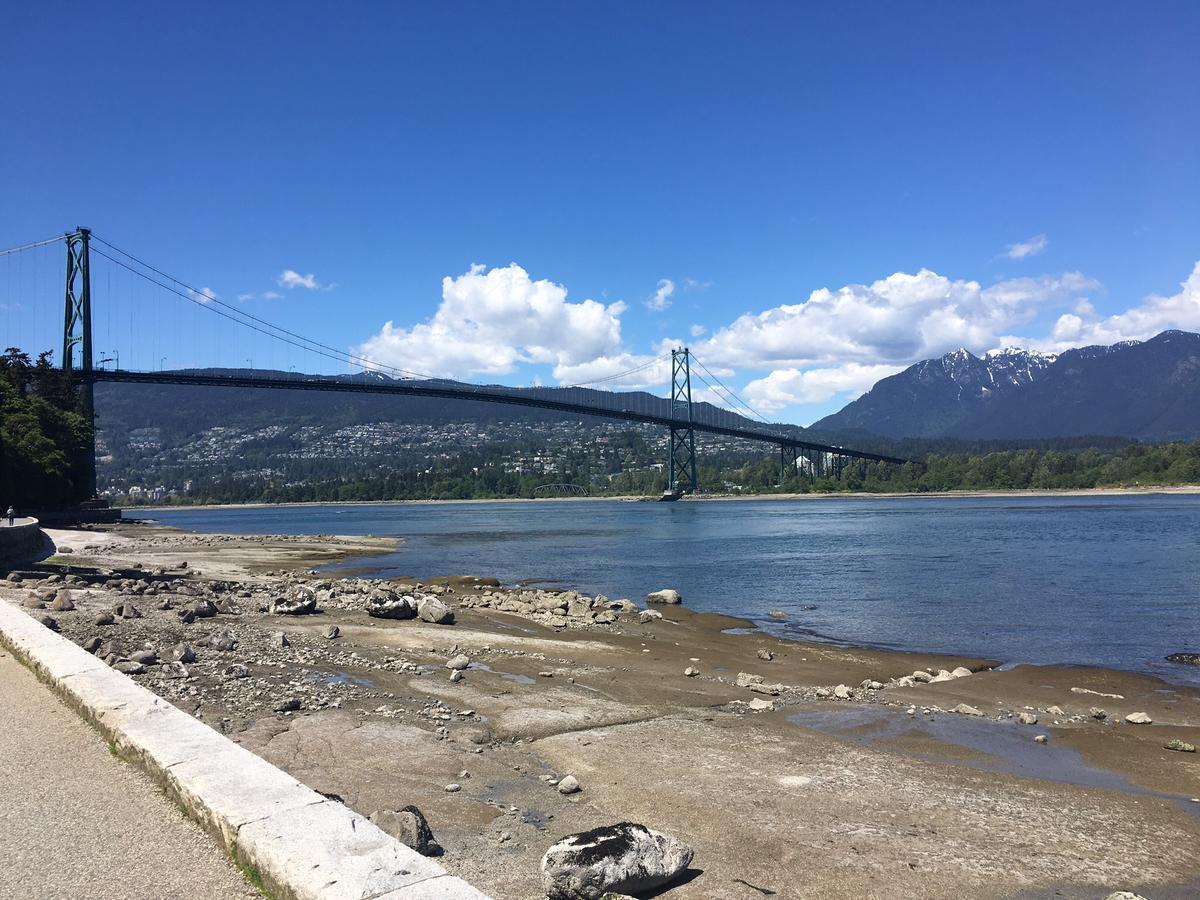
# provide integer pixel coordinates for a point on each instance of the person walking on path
(12, 514)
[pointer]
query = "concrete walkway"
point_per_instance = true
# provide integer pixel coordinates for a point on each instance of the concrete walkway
(76, 822)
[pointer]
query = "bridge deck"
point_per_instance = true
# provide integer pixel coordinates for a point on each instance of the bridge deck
(418, 388)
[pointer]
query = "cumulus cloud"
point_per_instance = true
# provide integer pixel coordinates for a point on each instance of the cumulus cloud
(1032, 247)
(620, 370)
(896, 320)
(662, 297)
(289, 278)
(697, 331)
(203, 296)
(788, 387)
(491, 321)
(1154, 314)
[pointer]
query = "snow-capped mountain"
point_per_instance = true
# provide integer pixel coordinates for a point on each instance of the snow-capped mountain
(1140, 389)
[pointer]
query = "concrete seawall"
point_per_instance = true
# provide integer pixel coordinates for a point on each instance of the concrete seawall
(22, 542)
(299, 844)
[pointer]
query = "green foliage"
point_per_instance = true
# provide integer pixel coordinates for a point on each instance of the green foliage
(44, 441)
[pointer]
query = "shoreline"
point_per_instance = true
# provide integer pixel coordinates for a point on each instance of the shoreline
(764, 726)
(1183, 489)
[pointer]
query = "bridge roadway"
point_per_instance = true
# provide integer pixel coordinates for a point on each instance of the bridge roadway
(454, 391)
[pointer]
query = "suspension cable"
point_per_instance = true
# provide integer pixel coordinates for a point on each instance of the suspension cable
(53, 240)
(209, 301)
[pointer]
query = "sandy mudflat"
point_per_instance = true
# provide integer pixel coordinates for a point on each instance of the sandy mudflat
(813, 797)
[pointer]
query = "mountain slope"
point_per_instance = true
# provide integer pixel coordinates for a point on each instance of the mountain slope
(1145, 390)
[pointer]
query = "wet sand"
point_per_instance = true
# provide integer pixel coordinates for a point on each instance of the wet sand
(812, 797)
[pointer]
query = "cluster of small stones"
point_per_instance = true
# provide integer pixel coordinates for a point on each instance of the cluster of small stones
(192, 642)
(559, 609)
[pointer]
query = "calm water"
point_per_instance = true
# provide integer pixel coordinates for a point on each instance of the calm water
(1112, 581)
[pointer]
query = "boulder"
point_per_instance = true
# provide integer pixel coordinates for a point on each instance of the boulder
(960, 672)
(204, 609)
(646, 616)
(104, 619)
(778, 614)
(331, 632)
(409, 827)
(622, 858)
(49, 622)
(1138, 718)
(145, 657)
(667, 596)
(300, 600)
(129, 667)
(964, 709)
(388, 605)
(745, 679)
(431, 609)
(766, 655)
(291, 704)
(1027, 718)
(458, 663)
(578, 607)
(569, 784)
(237, 670)
(1185, 659)
(691, 671)
(174, 670)
(605, 617)
(1179, 746)
(62, 602)
(183, 653)
(223, 640)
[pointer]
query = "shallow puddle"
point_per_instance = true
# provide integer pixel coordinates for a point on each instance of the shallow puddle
(977, 743)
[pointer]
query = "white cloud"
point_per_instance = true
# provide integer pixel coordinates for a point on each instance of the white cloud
(272, 295)
(245, 297)
(788, 387)
(697, 330)
(491, 321)
(896, 320)
(692, 284)
(1032, 247)
(203, 296)
(1154, 314)
(290, 279)
(643, 372)
(662, 297)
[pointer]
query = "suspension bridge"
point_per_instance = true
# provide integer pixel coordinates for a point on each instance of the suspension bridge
(153, 301)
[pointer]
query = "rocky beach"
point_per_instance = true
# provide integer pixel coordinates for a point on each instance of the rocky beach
(512, 717)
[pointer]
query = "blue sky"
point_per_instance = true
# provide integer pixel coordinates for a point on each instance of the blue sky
(942, 174)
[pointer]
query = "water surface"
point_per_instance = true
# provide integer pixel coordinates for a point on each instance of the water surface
(1104, 580)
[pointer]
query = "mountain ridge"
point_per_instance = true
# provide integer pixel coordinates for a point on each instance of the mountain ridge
(1143, 390)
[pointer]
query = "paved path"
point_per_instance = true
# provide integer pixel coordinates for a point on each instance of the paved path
(78, 823)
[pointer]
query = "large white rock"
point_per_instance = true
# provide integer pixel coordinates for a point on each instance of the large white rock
(431, 609)
(624, 858)
(384, 604)
(668, 596)
(300, 601)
